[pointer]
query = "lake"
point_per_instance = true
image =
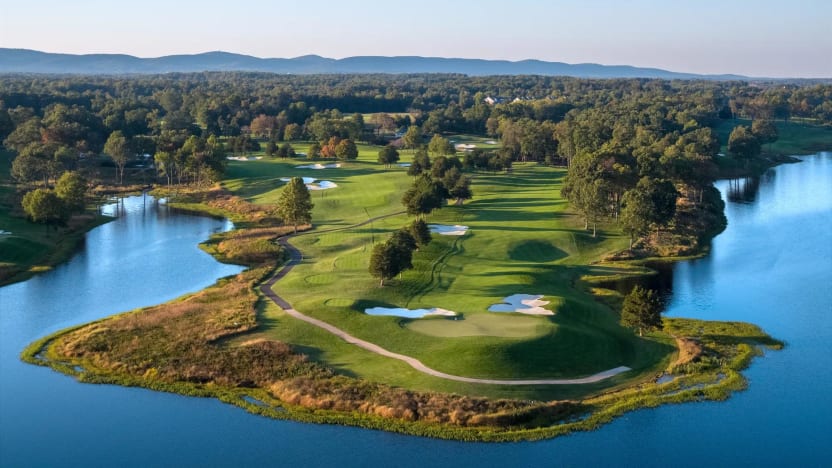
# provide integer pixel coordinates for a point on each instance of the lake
(772, 267)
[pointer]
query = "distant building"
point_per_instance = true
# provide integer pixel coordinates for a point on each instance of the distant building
(491, 101)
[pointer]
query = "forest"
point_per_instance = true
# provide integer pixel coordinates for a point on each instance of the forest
(633, 146)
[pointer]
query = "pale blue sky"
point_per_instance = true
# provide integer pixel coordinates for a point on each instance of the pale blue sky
(750, 37)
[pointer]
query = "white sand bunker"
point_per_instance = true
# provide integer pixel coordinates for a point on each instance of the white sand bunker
(5, 233)
(306, 180)
(319, 166)
(465, 147)
(405, 164)
(446, 230)
(490, 142)
(244, 158)
(322, 185)
(409, 313)
(524, 304)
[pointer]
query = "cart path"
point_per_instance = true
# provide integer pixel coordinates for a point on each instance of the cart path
(295, 257)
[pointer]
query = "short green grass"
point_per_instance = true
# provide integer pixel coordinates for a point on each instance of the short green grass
(794, 138)
(522, 240)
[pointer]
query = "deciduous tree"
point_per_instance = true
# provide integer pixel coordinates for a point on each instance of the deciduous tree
(118, 149)
(295, 204)
(44, 206)
(642, 310)
(71, 188)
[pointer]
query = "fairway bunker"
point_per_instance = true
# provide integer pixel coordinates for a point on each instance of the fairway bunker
(306, 180)
(405, 164)
(319, 166)
(244, 158)
(409, 313)
(312, 185)
(5, 233)
(447, 230)
(523, 304)
(322, 185)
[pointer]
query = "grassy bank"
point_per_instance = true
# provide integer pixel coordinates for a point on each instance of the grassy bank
(230, 343)
(794, 138)
(28, 248)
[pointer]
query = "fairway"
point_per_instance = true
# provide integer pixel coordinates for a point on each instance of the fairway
(522, 240)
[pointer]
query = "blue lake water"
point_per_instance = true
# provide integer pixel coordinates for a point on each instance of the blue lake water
(772, 267)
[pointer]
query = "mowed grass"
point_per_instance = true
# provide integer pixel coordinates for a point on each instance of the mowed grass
(522, 240)
(794, 138)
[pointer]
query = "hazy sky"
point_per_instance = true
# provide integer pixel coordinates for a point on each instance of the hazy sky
(755, 38)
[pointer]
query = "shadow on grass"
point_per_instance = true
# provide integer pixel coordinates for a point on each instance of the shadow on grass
(537, 251)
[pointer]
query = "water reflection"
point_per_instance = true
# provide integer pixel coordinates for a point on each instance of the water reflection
(743, 190)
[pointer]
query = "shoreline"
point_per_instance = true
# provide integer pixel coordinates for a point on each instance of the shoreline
(644, 391)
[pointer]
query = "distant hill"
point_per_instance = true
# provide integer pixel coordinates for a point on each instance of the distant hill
(32, 61)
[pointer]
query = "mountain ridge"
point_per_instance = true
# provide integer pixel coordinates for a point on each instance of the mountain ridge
(33, 61)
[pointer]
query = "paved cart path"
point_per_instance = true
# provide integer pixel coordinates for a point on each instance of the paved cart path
(295, 257)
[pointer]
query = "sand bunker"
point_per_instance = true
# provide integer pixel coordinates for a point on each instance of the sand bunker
(490, 142)
(409, 313)
(405, 164)
(522, 303)
(244, 158)
(306, 180)
(445, 230)
(322, 185)
(5, 233)
(319, 166)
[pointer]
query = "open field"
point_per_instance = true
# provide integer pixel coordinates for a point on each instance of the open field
(522, 240)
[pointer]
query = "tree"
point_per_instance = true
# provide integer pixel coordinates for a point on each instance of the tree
(765, 131)
(642, 310)
(420, 232)
(44, 206)
(295, 204)
(271, 148)
(424, 196)
(292, 132)
(457, 185)
(118, 150)
(286, 151)
(651, 202)
(742, 143)
(314, 151)
(328, 150)
(346, 150)
(165, 165)
(440, 145)
(25, 134)
(71, 188)
(384, 263)
(404, 240)
(421, 163)
(388, 156)
(32, 164)
(412, 138)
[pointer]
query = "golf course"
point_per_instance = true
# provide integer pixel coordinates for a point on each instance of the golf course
(521, 240)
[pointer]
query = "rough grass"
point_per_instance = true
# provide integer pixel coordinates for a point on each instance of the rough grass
(522, 240)
(215, 343)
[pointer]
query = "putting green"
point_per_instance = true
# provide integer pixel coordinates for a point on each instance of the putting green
(521, 240)
(503, 325)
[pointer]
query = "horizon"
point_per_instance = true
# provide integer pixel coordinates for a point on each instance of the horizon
(763, 41)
